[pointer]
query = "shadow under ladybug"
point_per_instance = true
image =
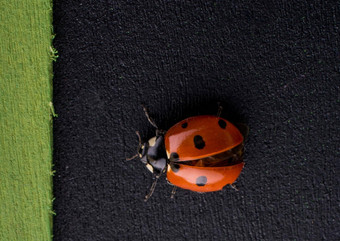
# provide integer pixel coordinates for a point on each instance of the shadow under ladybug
(201, 153)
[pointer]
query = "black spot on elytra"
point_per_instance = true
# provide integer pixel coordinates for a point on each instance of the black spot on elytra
(185, 125)
(174, 156)
(201, 181)
(199, 142)
(222, 124)
(174, 167)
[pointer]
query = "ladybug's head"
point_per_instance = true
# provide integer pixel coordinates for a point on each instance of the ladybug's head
(153, 155)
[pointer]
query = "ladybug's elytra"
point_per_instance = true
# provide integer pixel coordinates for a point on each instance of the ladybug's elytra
(202, 153)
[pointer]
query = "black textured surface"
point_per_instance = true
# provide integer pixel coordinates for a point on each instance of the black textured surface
(275, 66)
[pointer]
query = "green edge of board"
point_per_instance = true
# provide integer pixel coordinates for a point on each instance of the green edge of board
(26, 71)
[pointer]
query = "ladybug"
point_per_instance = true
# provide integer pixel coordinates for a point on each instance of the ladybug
(201, 153)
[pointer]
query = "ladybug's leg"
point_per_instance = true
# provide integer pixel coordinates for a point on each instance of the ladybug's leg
(160, 132)
(152, 188)
(234, 187)
(244, 129)
(173, 192)
(152, 122)
(219, 110)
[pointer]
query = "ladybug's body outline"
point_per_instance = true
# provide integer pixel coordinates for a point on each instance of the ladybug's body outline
(201, 153)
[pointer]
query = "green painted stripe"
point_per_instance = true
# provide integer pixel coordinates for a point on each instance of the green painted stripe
(25, 120)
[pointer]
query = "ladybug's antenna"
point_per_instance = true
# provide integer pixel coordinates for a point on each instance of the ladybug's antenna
(138, 148)
(152, 122)
(131, 158)
(152, 188)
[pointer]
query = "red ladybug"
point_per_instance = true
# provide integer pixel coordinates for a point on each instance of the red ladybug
(201, 153)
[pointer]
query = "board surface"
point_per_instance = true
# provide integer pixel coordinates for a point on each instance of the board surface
(274, 67)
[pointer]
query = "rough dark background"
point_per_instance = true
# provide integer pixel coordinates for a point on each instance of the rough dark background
(274, 65)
